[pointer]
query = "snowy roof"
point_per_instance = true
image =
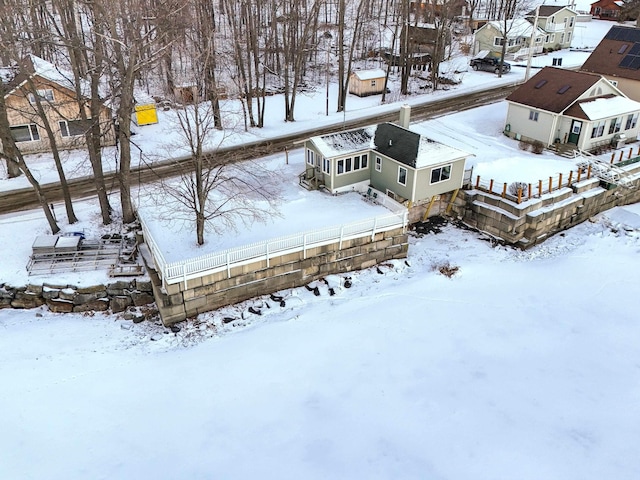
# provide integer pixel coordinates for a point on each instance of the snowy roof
(431, 153)
(55, 74)
(608, 107)
(370, 74)
(404, 146)
(518, 27)
(344, 142)
(413, 149)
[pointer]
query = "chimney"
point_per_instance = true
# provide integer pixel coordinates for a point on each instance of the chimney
(405, 116)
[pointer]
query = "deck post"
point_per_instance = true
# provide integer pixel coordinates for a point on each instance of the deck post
(184, 274)
(266, 247)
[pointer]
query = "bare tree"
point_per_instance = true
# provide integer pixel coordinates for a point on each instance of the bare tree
(508, 11)
(214, 192)
(12, 155)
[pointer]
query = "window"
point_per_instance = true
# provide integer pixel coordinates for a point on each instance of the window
(552, 20)
(547, 38)
(614, 82)
(598, 129)
(440, 174)
(566, 20)
(74, 128)
(25, 133)
(346, 165)
(373, 83)
(378, 164)
(632, 121)
(511, 42)
(498, 41)
(571, 20)
(45, 95)
(402, 175)
(568, 37)
(533, 115)
(311, 157)
(553, 38)
(614, 126)
(326, 166)
(562, 38)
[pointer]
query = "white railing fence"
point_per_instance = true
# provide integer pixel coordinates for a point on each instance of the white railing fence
(184, 270)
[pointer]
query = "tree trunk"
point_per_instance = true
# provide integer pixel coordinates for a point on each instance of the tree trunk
(11, 154)
(68, 203)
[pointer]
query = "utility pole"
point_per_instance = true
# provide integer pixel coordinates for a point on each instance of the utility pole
(532, 42)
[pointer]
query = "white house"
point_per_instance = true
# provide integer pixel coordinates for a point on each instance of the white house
(582, 110)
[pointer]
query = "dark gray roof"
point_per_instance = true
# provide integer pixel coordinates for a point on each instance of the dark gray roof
(398, 143)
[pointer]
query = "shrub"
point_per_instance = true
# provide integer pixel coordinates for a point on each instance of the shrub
(524, 146)
(513, 188)
(446, 269)
(537, 147)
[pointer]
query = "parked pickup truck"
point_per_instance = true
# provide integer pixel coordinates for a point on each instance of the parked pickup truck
(489, 64)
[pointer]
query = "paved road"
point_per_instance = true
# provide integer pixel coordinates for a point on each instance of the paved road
(83, 187)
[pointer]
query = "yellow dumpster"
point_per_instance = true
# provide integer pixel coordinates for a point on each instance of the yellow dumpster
(146, 114)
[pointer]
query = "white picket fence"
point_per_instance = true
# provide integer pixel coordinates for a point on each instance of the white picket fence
(182, 271)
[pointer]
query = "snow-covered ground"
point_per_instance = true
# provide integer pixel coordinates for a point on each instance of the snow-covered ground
(523, 365)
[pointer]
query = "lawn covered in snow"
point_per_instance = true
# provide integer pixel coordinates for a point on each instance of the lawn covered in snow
(523, 365)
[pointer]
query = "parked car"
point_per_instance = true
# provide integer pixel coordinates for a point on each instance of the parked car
(489, 64)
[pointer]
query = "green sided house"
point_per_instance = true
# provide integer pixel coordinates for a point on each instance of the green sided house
(388, 158)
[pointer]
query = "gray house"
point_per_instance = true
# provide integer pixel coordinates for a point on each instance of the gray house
(392, 159)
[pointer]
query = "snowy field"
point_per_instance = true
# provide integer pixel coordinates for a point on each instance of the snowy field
(524, 365)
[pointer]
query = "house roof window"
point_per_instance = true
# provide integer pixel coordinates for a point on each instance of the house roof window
(623, 48)
(541, 84)
(563, 89)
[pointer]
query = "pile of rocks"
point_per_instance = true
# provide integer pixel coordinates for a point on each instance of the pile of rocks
(116, 296)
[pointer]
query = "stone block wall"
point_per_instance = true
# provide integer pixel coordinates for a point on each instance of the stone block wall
(531, 222)
(115, 297)
(179, 301)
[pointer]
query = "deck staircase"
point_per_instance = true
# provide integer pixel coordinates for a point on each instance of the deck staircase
(608, 172)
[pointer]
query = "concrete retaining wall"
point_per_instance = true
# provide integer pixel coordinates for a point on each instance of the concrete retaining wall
(180, 301)
(116, 297)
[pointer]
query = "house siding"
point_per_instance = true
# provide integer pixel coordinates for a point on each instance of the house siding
(558, 28)
(484, 39)
(363, 88)
(339, 181)
(425, 190)
(518, 123)
(64, 107)
(631, 88)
